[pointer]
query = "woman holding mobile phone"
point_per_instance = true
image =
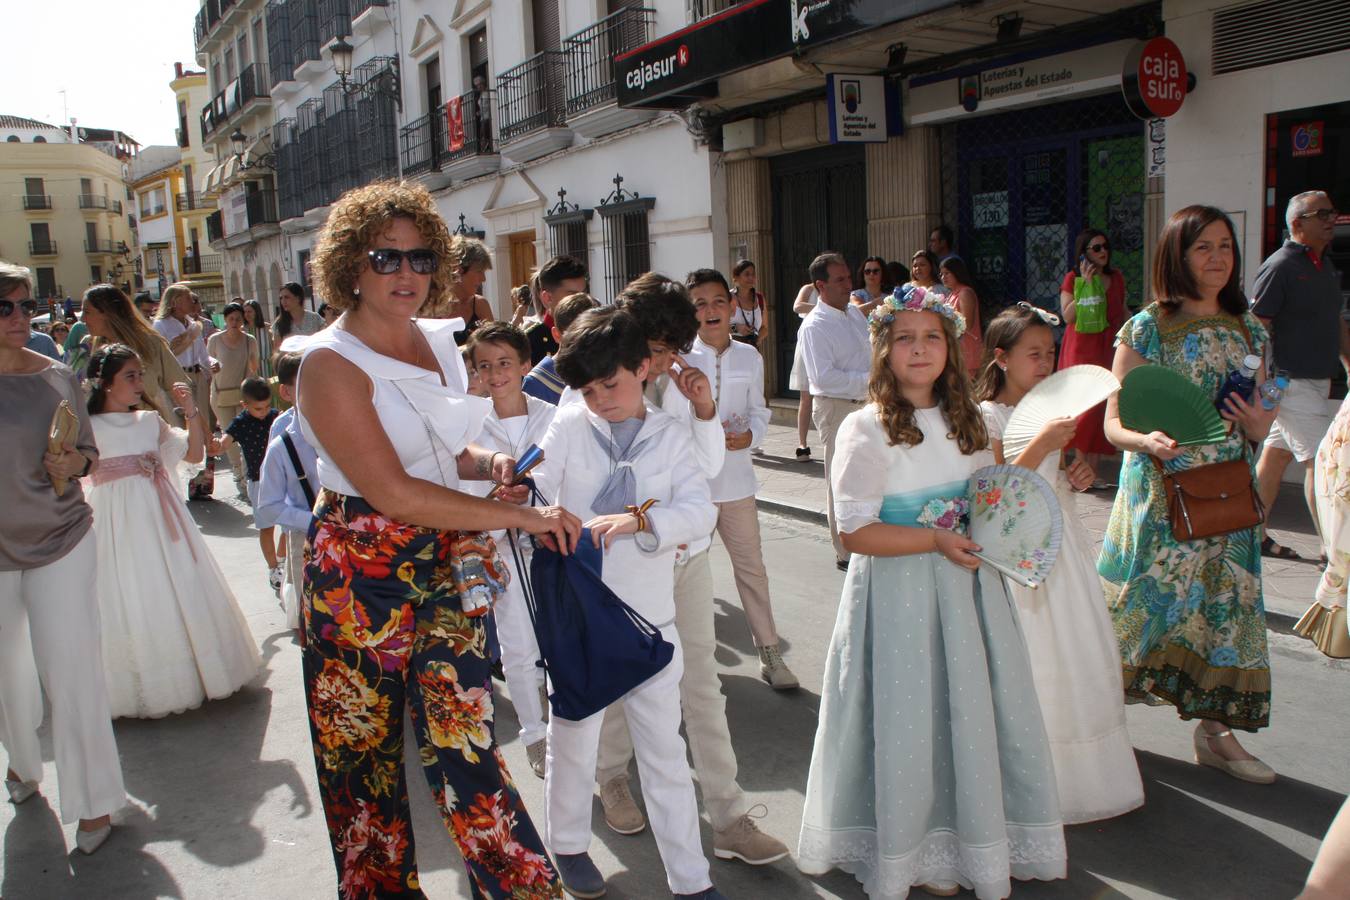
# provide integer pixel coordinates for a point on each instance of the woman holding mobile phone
(1083, 346)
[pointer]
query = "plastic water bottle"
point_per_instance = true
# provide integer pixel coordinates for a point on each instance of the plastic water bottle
(1272, 390)
(1241, 381)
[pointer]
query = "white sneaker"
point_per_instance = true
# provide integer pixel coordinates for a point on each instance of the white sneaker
(274, 578)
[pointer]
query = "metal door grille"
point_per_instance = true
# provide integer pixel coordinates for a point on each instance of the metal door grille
(819, 204)
(1018, 187)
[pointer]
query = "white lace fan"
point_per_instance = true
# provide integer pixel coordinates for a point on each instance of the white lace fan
(1068, 392)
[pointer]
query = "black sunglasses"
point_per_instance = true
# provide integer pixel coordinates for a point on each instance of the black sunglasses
(1098, 248)
(1325, 215)
(387, 261)
(27, 307)
(871, 271)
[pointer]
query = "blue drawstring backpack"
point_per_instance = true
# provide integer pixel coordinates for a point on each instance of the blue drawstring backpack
(594, 647)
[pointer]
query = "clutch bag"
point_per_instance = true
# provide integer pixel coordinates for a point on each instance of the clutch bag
(65, 428)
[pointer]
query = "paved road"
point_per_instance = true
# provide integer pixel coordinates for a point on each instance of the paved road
(225, 803)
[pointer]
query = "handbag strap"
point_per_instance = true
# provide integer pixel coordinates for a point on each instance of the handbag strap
(299, 468)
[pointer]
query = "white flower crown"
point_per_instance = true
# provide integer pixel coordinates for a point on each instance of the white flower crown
(911, 298)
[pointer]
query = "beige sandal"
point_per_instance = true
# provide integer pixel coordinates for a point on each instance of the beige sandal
(1252, 770)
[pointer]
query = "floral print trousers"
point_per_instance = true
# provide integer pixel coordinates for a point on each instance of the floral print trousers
(384, 629)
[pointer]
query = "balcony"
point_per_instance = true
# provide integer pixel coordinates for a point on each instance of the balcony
(102, 247)
(280, 59)
(469, 149)
(93, 201)
(702, 9)
(532, 104)
(115, 207)
(42, 248)
(215, 227)
(591, 107)
(201, 264)
(37, 201)
(363, 24)
(304, 19)
(185, 202)
(252, 85)
(420, 141)
(334, 19)
(262, 208)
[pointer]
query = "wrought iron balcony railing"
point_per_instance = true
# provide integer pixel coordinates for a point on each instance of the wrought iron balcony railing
(532, 95)
(471, 133)
(591, 51)
(42, 248)
(37, 201)
(93, 201)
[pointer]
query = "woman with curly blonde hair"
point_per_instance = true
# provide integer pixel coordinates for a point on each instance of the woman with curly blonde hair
(397, 572)
(926, 651)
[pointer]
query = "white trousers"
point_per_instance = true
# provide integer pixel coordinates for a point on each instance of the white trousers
(49, 639)
(520, 654)
(653, 712)
(828, 414)
(701, 699)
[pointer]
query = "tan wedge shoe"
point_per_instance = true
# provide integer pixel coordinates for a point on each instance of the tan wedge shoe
(1252, 770)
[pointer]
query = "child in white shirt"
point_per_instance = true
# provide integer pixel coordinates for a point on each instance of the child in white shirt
(499, 354)
(602, 460)
(736, 371)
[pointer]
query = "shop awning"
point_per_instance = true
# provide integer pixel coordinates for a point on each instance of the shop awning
(683, 67)
(211, 181)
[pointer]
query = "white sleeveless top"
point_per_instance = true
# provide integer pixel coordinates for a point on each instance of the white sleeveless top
(428, 423)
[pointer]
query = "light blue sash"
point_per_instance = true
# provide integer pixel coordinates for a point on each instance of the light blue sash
(904, 509)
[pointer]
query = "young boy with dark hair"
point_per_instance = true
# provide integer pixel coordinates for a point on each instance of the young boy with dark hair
(543, 381)
(249, 431)
(560, 276)
(665, 314)
(499, 354)
(288, 487)
(736, 371)
(604, 458)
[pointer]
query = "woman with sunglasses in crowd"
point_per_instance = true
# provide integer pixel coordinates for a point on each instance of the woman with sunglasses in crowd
(1092, 250)
(875, 281)
(49, 618)
(381, 397)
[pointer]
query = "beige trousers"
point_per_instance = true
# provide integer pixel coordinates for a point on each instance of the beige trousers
(738, 526)
(701, 701)
(828, 414)
(224, 416)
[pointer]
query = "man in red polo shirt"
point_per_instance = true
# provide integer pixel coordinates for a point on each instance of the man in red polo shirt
(1298, 299)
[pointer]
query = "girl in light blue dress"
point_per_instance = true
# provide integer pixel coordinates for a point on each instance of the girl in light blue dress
(931, 766)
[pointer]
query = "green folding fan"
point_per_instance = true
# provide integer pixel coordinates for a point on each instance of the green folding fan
(1154, 398)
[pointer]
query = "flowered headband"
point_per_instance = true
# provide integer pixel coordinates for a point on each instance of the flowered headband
(911, 298)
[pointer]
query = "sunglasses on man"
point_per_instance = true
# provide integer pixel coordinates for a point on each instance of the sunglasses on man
(387, 260)
(1324, 215)
(27, 307)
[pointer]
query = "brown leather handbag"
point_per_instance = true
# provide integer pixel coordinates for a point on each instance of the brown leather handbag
(1213, 500)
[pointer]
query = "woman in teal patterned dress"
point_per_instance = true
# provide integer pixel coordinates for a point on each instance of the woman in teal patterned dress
(1189, 614)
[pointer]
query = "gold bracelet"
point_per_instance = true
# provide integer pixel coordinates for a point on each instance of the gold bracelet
(641, 513)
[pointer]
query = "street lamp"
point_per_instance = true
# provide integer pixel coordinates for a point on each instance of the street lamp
(238, 141)
(387, 82)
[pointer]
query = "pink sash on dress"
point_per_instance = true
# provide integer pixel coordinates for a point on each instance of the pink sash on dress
(149, 465)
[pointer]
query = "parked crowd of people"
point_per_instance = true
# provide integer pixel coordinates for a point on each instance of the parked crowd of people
(377, 442)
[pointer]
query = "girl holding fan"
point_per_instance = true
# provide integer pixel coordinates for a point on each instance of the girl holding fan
(931, 765)
(1067, 629)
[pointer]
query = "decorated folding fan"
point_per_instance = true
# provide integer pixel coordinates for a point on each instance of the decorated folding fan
(1154, 398)
(1067, 393)
(1015, 518)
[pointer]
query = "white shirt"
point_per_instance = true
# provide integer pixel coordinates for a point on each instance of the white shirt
(576, 466)
(513, 436)
(709, 440)
(195, 354)
(429, 423)
(836, 351)
(737, 377)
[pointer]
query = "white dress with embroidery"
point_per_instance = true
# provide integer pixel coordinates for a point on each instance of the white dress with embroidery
(931, 762)
(1076, 663)
(173, 635)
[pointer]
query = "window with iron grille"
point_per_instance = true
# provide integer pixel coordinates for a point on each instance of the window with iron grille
(628, 247)
(567, 223)
(280, 57)
(304, 16)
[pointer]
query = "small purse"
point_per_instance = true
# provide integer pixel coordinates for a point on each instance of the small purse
(1213, 500)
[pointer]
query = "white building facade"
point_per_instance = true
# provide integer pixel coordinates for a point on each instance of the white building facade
(1269, 118)
(511, 120)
